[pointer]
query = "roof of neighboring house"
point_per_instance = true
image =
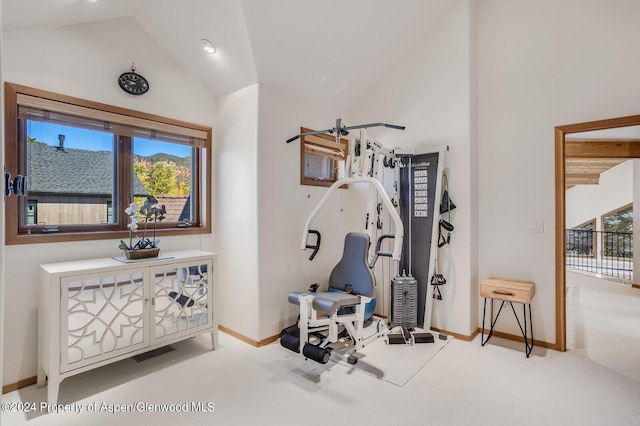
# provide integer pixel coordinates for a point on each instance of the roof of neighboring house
(72, 171)
(177, 207)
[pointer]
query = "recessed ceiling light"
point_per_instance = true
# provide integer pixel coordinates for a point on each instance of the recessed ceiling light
(207, 46)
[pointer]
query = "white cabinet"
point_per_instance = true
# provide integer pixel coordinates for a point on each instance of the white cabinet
(94, 312)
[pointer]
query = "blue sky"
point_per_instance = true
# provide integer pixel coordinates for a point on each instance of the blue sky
(98, 141)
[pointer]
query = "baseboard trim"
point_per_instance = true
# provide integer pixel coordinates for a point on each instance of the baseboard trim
(500, 334)
(520, 339)
(257, 344)
(19, 384)
(457, 335)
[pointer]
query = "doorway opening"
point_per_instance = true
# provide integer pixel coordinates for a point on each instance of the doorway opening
(609, 143)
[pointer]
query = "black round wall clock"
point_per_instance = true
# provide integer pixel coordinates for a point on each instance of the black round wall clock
(133, 83)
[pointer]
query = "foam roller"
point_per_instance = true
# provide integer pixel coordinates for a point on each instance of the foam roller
(316, 353)
(292, 330)
(290, 342)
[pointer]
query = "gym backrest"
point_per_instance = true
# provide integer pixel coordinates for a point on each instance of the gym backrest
(353, 268)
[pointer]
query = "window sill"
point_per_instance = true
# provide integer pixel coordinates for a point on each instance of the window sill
(42, 238)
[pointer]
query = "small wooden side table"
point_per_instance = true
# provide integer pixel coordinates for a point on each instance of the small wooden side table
(509, 291)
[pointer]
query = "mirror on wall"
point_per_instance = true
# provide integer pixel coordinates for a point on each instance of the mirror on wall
(322, 159)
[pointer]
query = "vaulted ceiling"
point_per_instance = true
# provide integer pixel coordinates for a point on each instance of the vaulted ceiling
(324, 49)
(327, 50)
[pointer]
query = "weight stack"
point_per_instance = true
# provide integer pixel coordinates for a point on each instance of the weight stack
(404, 312)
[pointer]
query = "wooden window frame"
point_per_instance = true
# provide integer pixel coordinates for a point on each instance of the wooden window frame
(13, 232)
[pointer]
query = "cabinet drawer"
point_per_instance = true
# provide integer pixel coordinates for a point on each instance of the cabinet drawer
(505, 289)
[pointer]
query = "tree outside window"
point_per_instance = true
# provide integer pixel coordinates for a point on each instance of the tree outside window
(617, 237)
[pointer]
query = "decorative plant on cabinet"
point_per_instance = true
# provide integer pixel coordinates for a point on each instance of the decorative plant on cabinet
(143, 247)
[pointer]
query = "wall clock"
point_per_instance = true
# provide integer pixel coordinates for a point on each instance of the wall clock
(133, 83)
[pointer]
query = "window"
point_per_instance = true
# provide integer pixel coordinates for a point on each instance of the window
(70, 172)
(322, 160)
(581, 240)
(85, 162)
(617, 233)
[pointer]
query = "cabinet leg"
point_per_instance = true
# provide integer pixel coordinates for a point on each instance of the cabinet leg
(214, 340)
(52, 392)
(42, 377)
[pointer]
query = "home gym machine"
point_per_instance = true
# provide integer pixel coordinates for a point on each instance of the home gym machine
(339, 314)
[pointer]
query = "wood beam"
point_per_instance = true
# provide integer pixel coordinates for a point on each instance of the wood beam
(582, 179)
(574, 170)
(591, 165)
(602, 149)
(589, 161)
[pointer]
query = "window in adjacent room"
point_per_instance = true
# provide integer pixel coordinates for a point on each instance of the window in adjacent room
(85, 162)
(581, 240)
(617, 233)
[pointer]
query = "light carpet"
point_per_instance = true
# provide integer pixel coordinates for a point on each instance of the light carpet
(396, 364)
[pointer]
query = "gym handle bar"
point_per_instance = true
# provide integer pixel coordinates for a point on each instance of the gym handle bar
(378, 253)
(315, 247)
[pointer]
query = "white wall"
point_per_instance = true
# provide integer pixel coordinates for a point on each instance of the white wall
(431, 94)
(263, 208)
(284, 206)
(237, 217)
(587, 202)
(85, 61)
(542, 64)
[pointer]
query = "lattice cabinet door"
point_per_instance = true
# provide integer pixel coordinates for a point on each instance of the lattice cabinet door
(182, 299)
(103, 316)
